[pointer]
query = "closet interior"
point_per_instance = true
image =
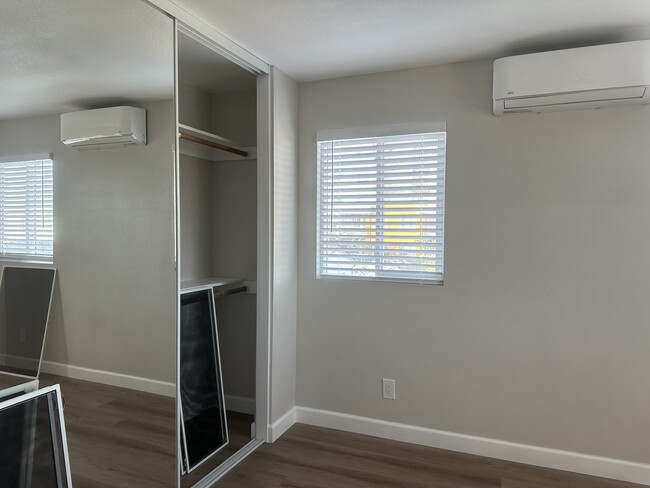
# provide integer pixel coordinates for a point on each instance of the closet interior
(217, 114)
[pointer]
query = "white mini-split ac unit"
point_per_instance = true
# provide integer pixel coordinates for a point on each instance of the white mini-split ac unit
(104, 127)
(570, 79)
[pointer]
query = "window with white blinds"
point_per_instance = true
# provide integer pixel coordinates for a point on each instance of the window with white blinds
(381, 205)
(26, 213)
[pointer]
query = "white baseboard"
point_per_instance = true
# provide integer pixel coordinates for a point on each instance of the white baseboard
(19, 362)
(509, 451)
(281, 425)
(109, 378)
(240, 404)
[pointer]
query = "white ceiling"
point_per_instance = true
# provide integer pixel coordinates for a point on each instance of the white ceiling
(65, 55)
(318, 39)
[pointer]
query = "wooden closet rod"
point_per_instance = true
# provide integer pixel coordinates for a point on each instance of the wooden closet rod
(215, 145)
(229, 291)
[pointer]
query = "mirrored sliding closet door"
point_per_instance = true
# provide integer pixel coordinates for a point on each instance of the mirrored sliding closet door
(88, 89)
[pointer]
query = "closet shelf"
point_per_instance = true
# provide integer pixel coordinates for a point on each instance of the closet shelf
(207, 283)
(220, 285)
(204, 145)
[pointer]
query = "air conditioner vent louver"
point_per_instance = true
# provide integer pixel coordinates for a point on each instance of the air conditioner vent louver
(517, 111)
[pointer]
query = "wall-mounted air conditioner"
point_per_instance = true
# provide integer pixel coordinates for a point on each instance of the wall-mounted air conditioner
(104, 127)
(569, 79)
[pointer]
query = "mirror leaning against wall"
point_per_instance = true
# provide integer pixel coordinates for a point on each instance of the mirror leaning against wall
(98, 213)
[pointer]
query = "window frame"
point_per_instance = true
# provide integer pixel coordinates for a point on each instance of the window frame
(378, 132)
(25, 257)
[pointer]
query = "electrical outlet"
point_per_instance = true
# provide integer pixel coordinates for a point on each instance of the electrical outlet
(388, 388)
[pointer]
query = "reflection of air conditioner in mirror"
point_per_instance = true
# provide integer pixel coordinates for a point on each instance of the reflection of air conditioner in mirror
(570, 79)
(104, 127)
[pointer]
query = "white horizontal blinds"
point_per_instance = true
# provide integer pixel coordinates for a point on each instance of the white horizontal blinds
(26, 203)
(381, 207)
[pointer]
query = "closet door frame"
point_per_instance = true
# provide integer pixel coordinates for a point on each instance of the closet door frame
(189, 25)
(216, 40)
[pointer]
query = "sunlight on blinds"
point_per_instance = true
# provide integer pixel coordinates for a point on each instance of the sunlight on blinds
(26, 209)
(381, 207)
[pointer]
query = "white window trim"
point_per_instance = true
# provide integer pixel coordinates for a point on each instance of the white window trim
(25, 157)
(381, 131)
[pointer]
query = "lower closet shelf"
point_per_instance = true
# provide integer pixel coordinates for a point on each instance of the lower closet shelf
(220, 285)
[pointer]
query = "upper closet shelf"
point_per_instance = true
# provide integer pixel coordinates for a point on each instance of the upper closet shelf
(204, 145)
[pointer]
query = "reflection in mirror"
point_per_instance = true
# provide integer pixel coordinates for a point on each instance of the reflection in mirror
(25, 299)
(217, 110)
(204, 428)
(111, 335)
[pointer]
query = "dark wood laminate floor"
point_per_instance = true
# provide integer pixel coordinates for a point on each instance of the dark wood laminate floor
(126, 438)
(117, 437)
(313, 457)
(7, 380)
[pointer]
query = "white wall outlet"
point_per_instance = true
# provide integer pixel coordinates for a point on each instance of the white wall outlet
(388, 387)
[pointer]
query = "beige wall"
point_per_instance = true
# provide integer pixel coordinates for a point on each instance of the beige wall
(114, 305)
(234, 183)
(218, 224)
(234, 116)
(284, 257)
(540, 333)
(234, 253)
(195, 218)
(218, 199)
(194, 106)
